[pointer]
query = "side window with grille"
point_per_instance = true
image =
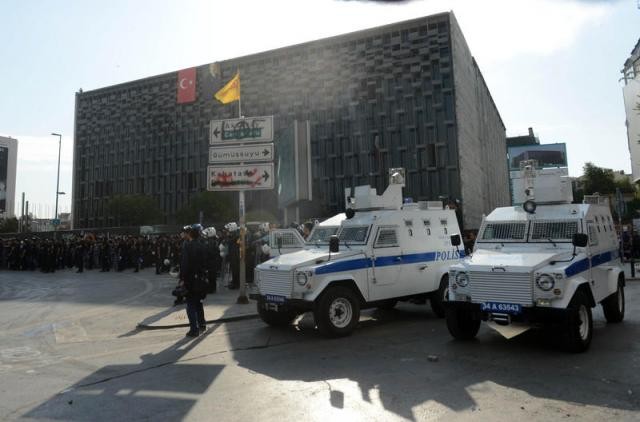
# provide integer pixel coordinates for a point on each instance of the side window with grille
(387, 238)
(593, 236)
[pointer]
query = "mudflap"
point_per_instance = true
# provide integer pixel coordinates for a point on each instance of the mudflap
(511, 330)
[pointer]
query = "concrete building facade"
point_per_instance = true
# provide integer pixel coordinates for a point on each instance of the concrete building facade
(631, 95)
(8, 167)
(406, 95)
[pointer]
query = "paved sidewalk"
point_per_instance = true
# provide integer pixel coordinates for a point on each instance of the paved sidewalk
(218, 307)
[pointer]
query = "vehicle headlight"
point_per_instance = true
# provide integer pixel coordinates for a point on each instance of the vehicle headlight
(545, 282)
(302, 278)
(462, 279)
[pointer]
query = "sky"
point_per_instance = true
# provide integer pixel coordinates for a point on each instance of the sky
(553, 65)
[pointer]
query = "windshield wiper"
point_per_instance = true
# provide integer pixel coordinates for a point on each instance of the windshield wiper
(552, 242)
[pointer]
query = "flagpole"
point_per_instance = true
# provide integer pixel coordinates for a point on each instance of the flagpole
(239, 96)
(242, 294)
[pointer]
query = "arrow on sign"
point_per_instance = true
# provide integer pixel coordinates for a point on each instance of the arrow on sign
(265, 152)
(216, 132)
(265, 176)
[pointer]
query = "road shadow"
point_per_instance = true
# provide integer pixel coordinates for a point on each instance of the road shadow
(136, 391)
(405, 358)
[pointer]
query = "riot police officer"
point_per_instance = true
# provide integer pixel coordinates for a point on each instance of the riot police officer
(213, 257)
(192, 277)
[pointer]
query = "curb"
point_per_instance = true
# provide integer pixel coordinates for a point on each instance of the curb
(212, 321)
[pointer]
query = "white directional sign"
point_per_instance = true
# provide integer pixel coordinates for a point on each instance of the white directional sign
(240, 177)
(249, 129)
(241, 153)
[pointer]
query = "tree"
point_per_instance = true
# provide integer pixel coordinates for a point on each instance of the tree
(216, 207)
(625, 185)
(134, 210)
(597, 179)
(9, 225)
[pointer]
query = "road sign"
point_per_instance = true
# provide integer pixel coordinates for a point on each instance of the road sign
(55, 221)
(249, 129)
(240, 177)
(241, 153)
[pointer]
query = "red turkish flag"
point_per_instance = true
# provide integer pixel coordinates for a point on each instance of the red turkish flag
(187, 85)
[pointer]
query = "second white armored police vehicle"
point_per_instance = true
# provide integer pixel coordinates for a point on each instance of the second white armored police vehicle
(384, 251)
(548, 262)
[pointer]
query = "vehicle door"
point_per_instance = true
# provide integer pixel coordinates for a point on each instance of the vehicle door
(418, 250)
(386, 263)
(291, 241)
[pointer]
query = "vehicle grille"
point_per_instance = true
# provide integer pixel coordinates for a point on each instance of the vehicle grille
(501, 287)
(274, 282)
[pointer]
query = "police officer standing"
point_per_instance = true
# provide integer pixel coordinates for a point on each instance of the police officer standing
(213, 257)
(192, 277)
(234, 255)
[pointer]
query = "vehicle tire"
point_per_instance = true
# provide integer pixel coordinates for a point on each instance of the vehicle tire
(440, 296)
(579, 325)
(613, 306)
(275, 318)
(387, 305)
(461, 324)
(337, 312)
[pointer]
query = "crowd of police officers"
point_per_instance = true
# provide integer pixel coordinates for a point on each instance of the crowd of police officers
(126, 252)
(198, 256)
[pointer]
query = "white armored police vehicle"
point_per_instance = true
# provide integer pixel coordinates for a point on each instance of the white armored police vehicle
(384, 251)
(546, 262)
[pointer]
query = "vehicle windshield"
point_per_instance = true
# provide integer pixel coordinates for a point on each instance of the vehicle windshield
(354, 234)
(529, 231)
(322, 234)
(554, 230)
(504, 231)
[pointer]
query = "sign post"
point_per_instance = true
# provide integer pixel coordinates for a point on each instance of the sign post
(241, 159)
(242, 295)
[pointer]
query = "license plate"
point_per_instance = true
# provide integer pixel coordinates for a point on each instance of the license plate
(505, 308)
(274, 299)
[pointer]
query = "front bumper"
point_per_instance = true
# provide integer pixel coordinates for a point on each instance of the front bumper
(297, 304)
(529, 315)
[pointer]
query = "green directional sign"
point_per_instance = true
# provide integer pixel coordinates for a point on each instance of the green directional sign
(248, 129)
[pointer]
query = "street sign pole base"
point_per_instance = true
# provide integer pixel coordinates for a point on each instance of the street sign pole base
(242, 300)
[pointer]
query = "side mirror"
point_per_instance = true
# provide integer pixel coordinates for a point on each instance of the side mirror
(455, 240)
(334, 244)
(350, 212)
(580, 240)
(279, 241)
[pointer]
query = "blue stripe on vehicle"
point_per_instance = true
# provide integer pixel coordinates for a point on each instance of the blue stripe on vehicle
(383, 261)
(583, 265)
(577, 267)
(339, 266)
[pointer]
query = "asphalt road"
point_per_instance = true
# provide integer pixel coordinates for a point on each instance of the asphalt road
(69, 351)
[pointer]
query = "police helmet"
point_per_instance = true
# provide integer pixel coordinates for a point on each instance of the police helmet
(194, 229)
(232, 227)
(209, 232)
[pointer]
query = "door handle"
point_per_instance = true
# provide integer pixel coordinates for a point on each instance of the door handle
(423, 267)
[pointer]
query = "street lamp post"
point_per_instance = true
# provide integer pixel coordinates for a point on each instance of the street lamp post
(58, 178)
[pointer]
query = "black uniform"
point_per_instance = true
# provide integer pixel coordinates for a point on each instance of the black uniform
(234, 260)
(213, 263)
(192, 273)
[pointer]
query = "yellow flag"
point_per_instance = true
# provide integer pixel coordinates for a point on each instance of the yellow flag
(231, 91)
